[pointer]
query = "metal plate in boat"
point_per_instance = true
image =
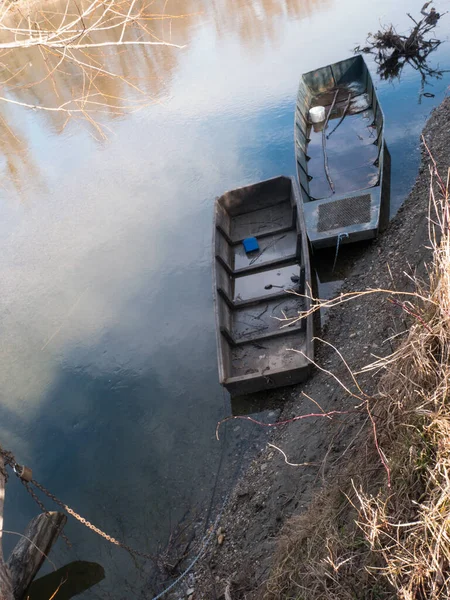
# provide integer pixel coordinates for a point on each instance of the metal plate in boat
(344, 213)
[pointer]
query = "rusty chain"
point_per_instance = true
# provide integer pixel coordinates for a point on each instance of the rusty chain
(20, 471)
(42, 507)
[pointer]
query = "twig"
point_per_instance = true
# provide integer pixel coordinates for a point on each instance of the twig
(67, 38)
(377, 445)
(272, 243)
(32, 543)
(403, 306)
(305, 464)
(62, 582)
(227, 591)
(412, 19)
(324, 142)
(320, 304)
(328, 415)
(343, 116)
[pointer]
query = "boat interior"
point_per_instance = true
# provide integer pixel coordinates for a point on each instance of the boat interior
(256, 290)
(354, 134)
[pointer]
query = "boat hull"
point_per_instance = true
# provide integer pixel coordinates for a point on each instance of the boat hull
(343, 164)
(255, 291)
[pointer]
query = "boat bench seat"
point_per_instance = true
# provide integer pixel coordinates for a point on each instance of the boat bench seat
(299, 326)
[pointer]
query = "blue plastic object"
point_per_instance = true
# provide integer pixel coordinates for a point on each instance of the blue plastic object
(251, 244)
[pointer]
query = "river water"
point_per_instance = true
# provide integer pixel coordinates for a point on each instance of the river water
(108, 378)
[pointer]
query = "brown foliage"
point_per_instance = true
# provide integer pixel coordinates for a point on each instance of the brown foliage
(362, 538)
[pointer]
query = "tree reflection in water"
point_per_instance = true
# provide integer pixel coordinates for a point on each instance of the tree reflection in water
(393, 51)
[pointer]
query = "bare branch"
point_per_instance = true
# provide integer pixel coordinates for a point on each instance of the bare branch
(82, 43)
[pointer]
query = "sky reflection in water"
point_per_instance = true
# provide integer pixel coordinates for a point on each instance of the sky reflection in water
(108, 364)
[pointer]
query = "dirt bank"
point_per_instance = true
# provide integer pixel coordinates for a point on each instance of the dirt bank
(271, 491)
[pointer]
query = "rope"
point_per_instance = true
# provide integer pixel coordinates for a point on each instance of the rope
(205, 542)
(219, 468)
(207, 538)
(340, 237)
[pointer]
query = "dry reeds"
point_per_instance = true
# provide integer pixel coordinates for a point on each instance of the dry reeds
(411, 526)
(362, 538)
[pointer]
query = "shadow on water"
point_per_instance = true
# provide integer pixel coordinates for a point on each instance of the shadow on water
(72, 579)
(139, 497)
(256, 404)
(331, 267)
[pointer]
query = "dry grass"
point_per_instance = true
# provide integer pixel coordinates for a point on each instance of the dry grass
(411, 528)
(323, 554)
(362, 538)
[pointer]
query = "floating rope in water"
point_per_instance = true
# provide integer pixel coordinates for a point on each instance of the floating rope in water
(205, 544)
(341, 236)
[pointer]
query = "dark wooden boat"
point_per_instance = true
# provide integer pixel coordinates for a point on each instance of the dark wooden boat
(343, 164)
(253, 289)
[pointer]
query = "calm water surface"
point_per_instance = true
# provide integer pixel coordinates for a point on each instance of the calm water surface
(108, 372)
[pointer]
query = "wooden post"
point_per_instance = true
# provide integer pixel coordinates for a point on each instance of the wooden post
(30, 552)
(6, 592)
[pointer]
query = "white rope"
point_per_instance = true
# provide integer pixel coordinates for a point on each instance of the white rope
(341, 236)
(203, 547)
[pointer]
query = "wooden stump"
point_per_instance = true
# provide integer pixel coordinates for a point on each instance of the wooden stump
(6, 591)
(30, 552)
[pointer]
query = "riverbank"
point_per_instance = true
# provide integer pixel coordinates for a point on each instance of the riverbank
(272, 492)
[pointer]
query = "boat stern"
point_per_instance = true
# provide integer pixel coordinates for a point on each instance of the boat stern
(343, 219)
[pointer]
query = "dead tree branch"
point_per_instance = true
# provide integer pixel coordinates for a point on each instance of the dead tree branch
(393, 51)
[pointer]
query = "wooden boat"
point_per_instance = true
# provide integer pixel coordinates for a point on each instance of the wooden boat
(253, 289)
(343, 164)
